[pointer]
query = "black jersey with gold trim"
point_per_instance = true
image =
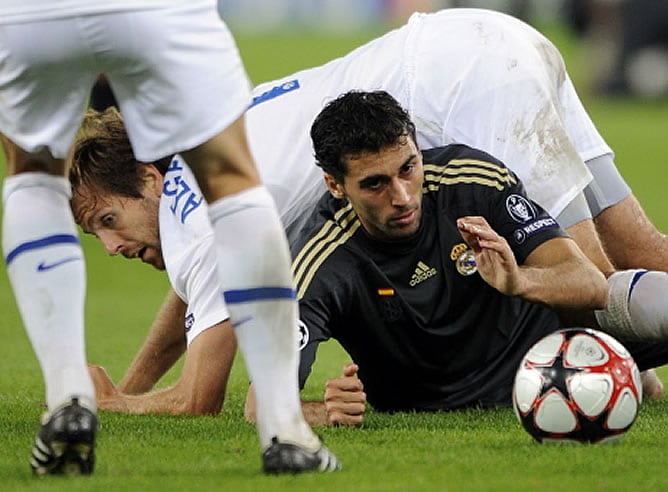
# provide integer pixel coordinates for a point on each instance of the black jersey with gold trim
(427, 332)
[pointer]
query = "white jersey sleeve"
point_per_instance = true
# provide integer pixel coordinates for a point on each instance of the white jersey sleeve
(188, 249)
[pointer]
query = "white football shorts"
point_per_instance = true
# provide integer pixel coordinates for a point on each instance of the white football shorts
(176, 72)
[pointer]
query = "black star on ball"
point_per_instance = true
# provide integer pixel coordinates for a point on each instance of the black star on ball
(556, 376)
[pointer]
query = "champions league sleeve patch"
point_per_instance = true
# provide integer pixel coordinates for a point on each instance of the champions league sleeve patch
(520, 209)
(303, 335)
(532, 228)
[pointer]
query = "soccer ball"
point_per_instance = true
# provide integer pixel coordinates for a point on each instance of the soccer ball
(577, 385)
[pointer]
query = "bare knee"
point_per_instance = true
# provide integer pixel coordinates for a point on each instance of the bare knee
(19, 161)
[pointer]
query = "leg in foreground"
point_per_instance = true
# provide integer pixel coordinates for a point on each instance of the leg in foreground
(46, 269)
(254, 267)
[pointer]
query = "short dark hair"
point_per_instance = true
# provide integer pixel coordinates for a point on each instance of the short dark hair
(357, 122)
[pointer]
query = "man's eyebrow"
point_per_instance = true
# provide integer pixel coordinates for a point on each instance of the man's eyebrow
(382, 177)
(86, 225)
(87, 217)
(410, 158)
(368, 180)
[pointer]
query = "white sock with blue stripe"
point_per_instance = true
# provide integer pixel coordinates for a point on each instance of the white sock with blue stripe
(637, 306)
(254, 265)
(46, 268)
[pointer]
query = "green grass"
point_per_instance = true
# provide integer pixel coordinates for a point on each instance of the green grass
(461, 451)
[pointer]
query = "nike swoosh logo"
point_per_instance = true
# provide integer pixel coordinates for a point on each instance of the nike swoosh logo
(44, 266)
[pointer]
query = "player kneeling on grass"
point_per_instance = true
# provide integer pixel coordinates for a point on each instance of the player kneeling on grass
(432, 269)
(156, 212)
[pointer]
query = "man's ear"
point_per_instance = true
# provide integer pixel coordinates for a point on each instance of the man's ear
(334, 187)
(151, 178)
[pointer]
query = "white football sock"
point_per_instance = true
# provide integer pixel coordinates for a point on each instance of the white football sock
(254, 267)
(46, 268)
(637, 306)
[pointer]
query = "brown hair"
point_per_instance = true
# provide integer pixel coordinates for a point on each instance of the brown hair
(103, 160)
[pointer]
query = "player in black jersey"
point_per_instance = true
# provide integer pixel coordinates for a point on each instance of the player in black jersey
(433, 269)
(345, 398)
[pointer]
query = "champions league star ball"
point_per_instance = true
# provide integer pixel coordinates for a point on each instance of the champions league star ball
(577, 385)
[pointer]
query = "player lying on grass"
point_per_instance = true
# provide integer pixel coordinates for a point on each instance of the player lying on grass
(490, 81)
(128, 206)
(434, 270)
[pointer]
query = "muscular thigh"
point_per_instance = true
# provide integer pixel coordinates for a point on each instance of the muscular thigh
(223, 165)
(630, 238)
(179, 82)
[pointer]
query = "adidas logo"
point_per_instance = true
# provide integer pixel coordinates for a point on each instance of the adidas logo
(422, 273)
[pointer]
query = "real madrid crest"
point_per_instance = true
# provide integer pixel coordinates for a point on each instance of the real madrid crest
(464, 259)
(466, 263)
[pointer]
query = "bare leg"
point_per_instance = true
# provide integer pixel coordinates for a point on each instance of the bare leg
(585, 235)
(645, 247)
(38, 230)
(46, 269)
(254, 267)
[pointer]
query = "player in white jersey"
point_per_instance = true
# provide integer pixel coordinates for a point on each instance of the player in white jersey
(490, 81)
(469, 76)
(195, 314)
(179, 80)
